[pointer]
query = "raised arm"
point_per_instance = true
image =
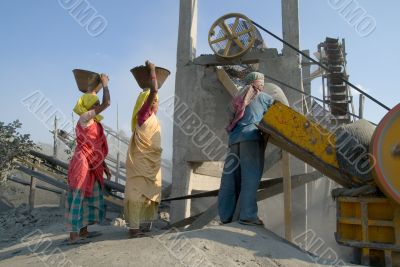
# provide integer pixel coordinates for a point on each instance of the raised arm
(106, 102)
(154, 85)
(146, 110)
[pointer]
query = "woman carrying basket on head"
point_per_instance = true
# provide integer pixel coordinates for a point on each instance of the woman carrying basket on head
(85, 203)
(143, 163)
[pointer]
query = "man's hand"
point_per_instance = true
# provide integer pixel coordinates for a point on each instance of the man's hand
(104, 80)
(107, 172)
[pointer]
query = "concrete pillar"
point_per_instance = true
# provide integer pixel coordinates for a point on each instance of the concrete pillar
(182, 170)
(293, 75)
(290, 26)
(291, 59)
(187, 35)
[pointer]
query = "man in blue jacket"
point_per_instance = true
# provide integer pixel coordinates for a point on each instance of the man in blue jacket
(247, 145)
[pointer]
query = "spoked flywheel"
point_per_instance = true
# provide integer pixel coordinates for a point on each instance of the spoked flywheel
(232, 35)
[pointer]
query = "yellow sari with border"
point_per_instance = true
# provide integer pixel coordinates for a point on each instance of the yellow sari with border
(143, 174)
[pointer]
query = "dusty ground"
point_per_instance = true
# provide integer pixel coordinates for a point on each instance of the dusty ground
(36, 239)
(38, 244)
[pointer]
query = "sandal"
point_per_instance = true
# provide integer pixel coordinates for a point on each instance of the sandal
(69, 242)
(90, 234)
(257, 222)
(146, 227)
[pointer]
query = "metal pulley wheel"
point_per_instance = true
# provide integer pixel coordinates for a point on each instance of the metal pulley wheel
(385, 148)
(232, 35)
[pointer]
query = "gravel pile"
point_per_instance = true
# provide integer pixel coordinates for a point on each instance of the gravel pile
(16, 223)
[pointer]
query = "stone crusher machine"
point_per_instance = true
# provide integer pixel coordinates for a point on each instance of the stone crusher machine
(363, 159)
(368, 206)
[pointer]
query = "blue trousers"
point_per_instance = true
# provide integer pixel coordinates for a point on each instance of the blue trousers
(243, 169)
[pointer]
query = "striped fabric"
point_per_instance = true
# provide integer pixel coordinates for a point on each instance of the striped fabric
(82, 211)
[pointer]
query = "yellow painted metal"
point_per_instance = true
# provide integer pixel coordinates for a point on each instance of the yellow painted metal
(390, 163)
(385, 148)
(372, 224)
(302, 132)
(369, 223)
(379, 221)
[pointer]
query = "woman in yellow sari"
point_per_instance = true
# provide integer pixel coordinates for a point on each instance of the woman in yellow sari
(143, 163)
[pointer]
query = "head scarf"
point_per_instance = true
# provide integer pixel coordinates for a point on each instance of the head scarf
(138, 105)
(254, 85)
(85, 102)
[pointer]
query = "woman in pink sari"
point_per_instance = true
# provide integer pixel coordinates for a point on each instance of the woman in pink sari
(85, 203)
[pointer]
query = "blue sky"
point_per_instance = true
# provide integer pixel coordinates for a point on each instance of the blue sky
(41, 43)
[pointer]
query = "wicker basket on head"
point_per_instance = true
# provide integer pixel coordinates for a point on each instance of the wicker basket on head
(86, 80)
(142, 76)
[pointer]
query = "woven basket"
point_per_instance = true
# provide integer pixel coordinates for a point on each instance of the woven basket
(86, 80)
(142, 76)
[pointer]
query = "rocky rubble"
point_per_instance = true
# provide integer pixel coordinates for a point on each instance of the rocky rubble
(16, 223)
